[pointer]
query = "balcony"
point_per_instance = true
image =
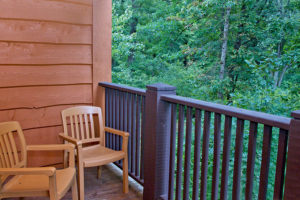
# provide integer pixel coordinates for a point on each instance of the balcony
(54, 54)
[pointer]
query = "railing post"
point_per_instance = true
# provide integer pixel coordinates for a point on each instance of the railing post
(157, 142)
(292, 179)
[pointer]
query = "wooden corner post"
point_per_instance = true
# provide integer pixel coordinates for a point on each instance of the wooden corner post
(292, 179)
(157, 137)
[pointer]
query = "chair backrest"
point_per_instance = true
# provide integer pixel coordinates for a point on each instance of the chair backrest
(82, 122)
(13, 152)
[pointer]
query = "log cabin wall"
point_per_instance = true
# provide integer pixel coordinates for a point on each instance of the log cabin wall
(53, 53)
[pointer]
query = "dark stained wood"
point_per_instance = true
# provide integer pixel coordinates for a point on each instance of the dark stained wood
(281, 162)
(217, 147)
(133, 134)
(26, 53)
(172, 151)
(35, 97)
(143, 137)
(129, 123)
(13, 76)
(251, 160)
(259, 117)
(187, 161)
(138, 136)
(123, 88)
(292, 183)
(226, 157)
(179, 152)
(236, 187)
(205, 148)
(44, 32)
(157, 141)
(197, 149)
(58, 11)
(265, 163)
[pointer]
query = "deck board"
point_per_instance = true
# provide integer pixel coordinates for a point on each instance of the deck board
(109, 187)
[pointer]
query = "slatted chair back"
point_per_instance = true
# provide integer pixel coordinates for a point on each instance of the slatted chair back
(83, 122)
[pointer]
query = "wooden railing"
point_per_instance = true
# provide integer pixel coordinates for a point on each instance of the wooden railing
(124, 110)
(182, 148)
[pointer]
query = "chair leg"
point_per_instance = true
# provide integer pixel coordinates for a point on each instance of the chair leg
(125, 175)
(74, 189)
(98, 172)
(81, 181)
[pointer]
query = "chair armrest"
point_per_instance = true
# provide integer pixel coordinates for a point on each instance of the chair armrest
(55, 147)
(124, 134)
(48, 171)
(70, 139)
(117, 132)
(50, 147)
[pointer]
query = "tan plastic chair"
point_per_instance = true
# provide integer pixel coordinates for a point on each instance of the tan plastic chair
(17, 180)
(79, 129)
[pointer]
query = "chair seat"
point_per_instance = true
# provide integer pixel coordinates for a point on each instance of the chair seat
(39, 184)
(98, 155)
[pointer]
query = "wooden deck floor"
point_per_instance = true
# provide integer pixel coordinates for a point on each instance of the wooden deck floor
(109, 187)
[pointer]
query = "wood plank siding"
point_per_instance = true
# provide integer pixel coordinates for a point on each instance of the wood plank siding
(53, 53)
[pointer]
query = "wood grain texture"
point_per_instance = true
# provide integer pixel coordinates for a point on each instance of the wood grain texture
(102, 23)
(47, 135)
(35, 117)
(26, 53)
(14, 76)
(49, 32)
(35, 97)
(59, 11)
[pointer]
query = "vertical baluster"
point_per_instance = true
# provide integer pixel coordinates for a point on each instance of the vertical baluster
(238, 159)
(110, 116)
(142, 137)
(187, 161)
(172, 151)
(280, 167)
(2, 159)
(106, 114)
(265, 162)
(251, 160)
(129, 99)
(125, 110)
(138, 136)
(113, 138)
(204, 167)
(217, 147)
(179, 152)
(117, 116)
(121, 107)
(133, 133)
(197, 151)
(226, 157)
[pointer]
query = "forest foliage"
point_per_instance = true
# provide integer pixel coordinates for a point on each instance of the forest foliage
(241, 53)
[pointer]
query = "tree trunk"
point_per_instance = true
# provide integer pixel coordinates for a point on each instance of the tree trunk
(133, 24)
(224, 47)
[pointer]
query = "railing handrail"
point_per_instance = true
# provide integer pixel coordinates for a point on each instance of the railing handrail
(123, 88)
(254, 116)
